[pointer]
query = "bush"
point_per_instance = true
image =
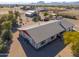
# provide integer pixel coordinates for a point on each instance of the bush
(36, 18)
(6, 35)
(75, 48)
(72, 37)
(45, 14)
(2, 47)
(67, 16)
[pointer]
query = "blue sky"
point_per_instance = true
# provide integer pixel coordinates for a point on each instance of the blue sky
(30, 1)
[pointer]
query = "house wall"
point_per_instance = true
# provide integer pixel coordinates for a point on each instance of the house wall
(49, 39)
(28, 38)
(69, 29)
(38, 45)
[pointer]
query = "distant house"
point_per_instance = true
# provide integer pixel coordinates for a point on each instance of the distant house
(41, 9)
(28, 8)
(30, 13)
(41, 34)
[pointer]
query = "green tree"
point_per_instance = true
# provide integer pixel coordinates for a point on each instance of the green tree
(36, 18)
(3, 18)
(7, 25)
(6, 35)
(17, 14)
(46, 14)
(2, 47)
(50, 16)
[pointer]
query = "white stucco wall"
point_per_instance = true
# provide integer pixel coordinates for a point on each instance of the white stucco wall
(38, 45)
(28, 38)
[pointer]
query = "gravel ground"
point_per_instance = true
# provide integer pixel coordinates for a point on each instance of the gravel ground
(16, 50)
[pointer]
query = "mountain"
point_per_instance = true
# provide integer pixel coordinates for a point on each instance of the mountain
(41, 2)
(56, 3)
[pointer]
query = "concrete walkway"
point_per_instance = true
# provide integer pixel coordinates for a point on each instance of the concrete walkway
(16, 49)
(66, 52)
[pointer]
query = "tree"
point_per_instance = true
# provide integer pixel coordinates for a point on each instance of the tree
(7, 25)
(5, 30)
(36, 18)
(17, 14)
(3, 18)
(6, 35)
(10, 17)
(46, 14)
(2, 47)
(50, 16)
(20, 20)
(46, 18)
(10, 12)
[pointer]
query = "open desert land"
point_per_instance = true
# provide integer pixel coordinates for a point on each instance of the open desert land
(5, 10)
(73, 13)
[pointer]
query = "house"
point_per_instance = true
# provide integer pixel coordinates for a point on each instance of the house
(40, 34)
(30, 13)
(41, 9)
(28, 7)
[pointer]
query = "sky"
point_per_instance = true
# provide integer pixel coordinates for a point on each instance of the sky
(32, 1)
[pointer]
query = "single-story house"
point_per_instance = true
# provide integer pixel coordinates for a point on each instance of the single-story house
(40, 34)
(41, 9)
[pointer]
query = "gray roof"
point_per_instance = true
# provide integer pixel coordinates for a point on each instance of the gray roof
(66, 23)
(46, 30)
(43, 32)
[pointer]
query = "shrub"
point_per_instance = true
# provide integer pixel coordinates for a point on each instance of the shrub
(6, 35)
(45, 14)
(36, 18)
(72, 37)
(2, 46)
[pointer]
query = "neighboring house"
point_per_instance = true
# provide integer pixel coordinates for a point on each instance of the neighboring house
(41, 34)
(28, 7)
(41, 9)
(30, 13)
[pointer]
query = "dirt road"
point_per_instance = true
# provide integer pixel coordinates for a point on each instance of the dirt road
(16, 49)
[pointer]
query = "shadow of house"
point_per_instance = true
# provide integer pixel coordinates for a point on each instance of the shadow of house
(50, 50)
